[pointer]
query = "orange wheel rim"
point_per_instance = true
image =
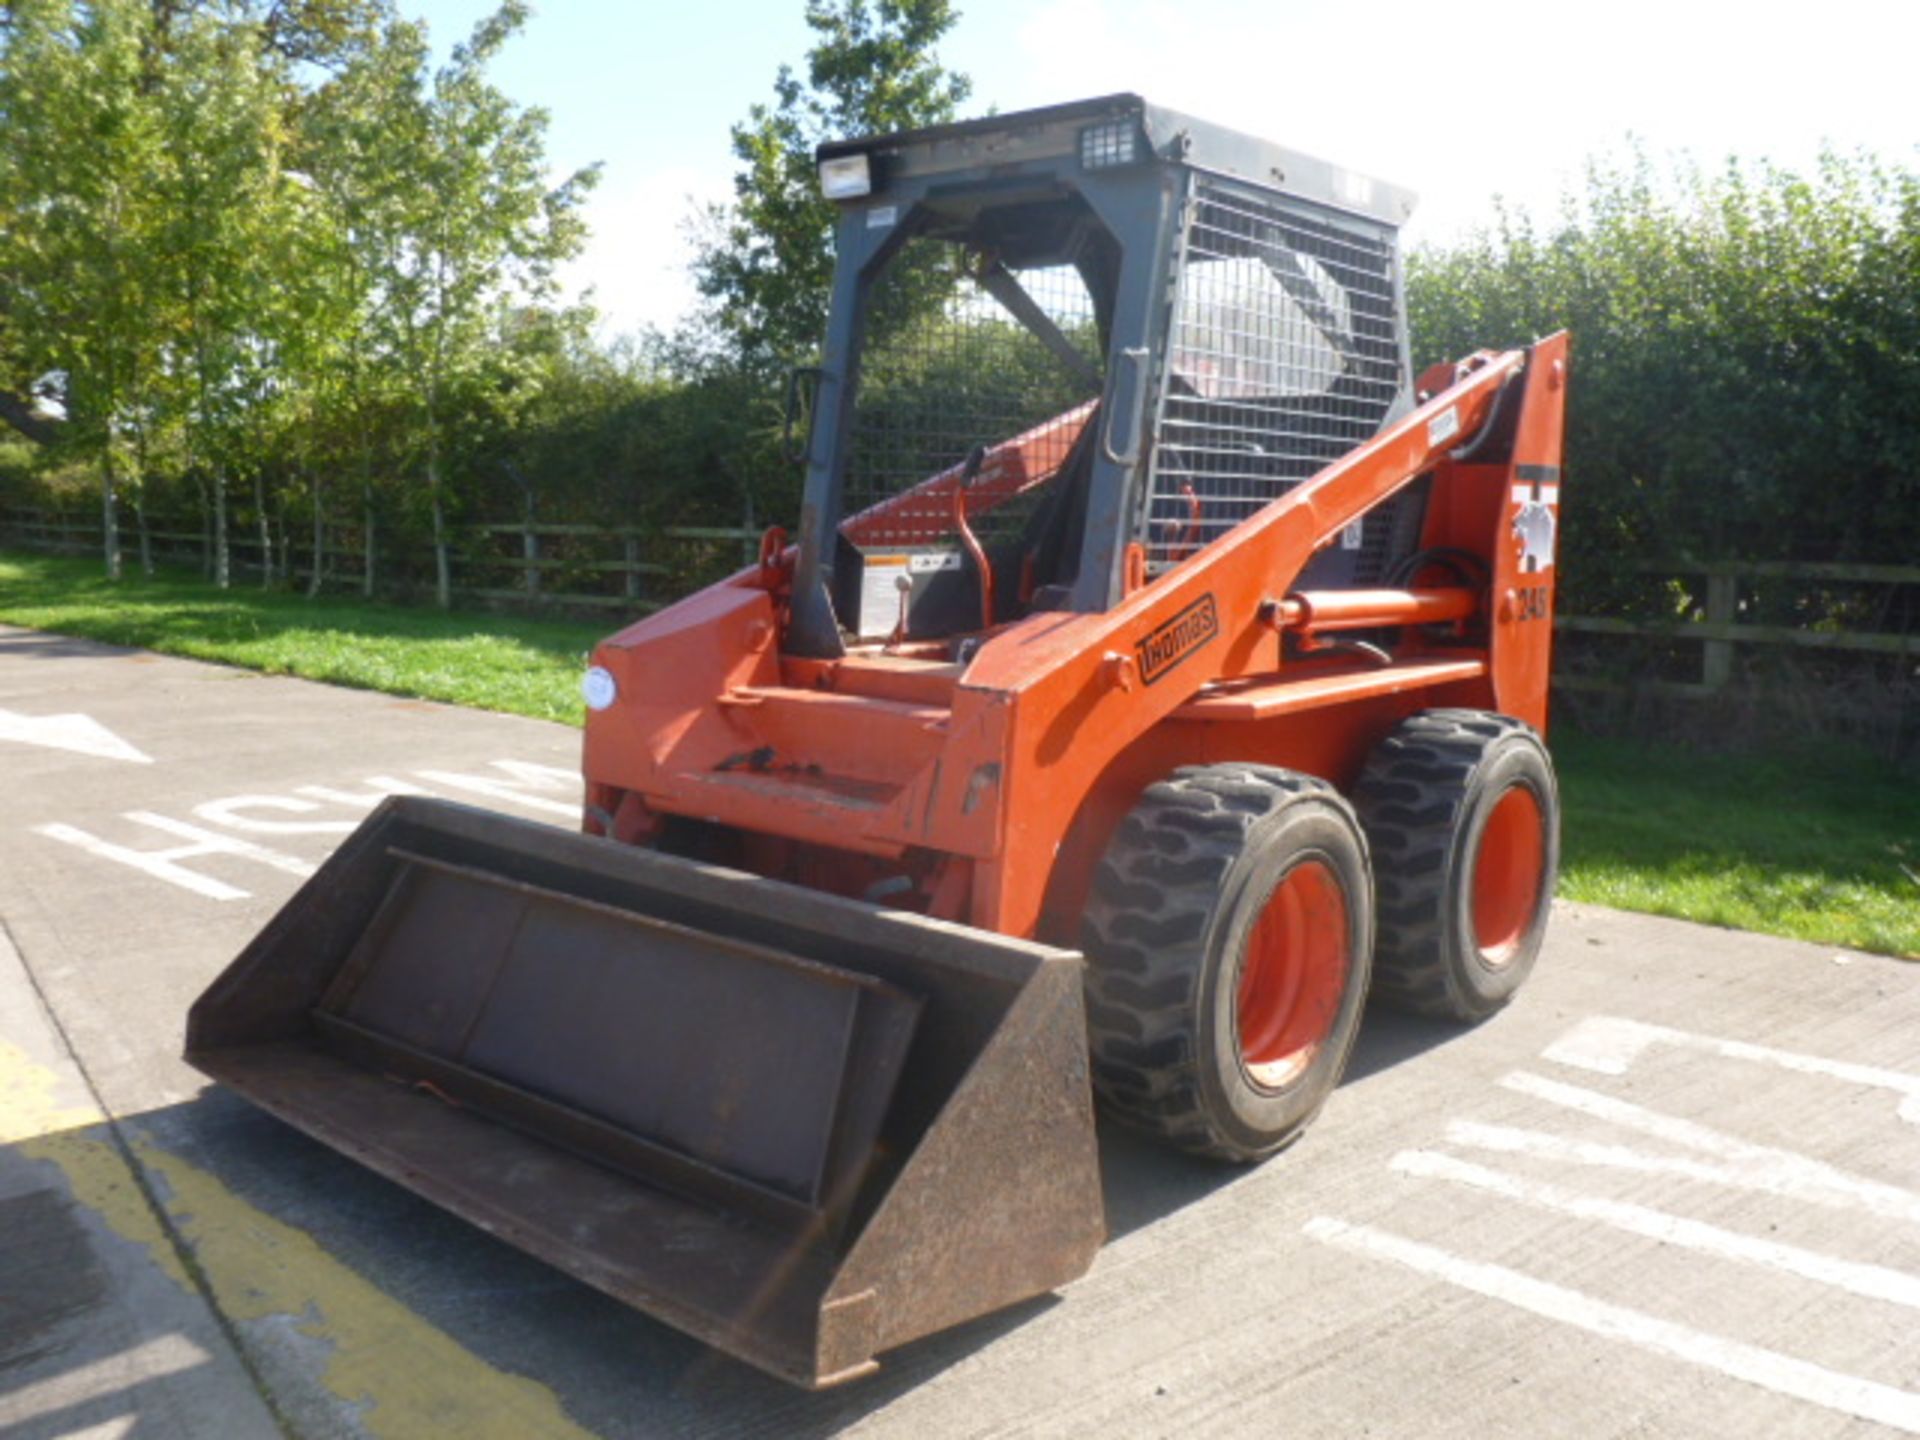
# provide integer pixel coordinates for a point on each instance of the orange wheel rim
(1506, 875)
(1293, 975)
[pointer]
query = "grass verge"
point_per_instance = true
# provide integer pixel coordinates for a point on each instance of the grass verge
(1822, 847)
(491, 662)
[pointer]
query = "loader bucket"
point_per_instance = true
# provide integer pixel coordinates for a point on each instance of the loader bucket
(801, 1128)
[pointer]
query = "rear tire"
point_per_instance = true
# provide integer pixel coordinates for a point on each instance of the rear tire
(1229, 938)
(1463, 815)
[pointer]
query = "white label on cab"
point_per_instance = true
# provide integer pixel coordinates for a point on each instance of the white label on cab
(880, 581)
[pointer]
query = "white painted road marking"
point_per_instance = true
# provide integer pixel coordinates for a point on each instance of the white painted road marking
(1745, 1164)
(150, 1360)
(518, 782)
(1607, 1045)
(1768, 1369)
(1511, 1140)
(230, 812)
(82, 734)
(526, 777)
(380, 787)
(1874, 1282)
(163, 864)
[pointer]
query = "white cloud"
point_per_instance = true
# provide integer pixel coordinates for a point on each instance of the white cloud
(637, 256)
(1502, 98)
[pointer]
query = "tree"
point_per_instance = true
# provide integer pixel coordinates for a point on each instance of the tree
(459, 225)
(75, 170)
(341, 151)
(765, 264)
(317, 34)
(227, 215)
(247, 234)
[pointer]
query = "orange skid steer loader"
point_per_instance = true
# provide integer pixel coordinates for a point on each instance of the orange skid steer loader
(1143, 605)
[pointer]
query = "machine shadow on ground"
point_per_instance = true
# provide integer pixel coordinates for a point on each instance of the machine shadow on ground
(1145, 1182)
(1388, 1037)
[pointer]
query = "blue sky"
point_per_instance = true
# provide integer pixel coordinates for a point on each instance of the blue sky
(1460, 102)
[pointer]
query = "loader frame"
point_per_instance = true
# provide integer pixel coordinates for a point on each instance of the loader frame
(992, 788)
(979, 779)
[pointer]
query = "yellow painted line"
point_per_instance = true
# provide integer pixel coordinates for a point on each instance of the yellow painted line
(406, 1378)
(30, 1103)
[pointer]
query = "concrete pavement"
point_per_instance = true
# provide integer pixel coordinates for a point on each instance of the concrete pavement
(1674, 1190)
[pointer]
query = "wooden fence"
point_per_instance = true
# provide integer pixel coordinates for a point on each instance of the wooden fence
(1719, 667)
(544, 564)
(1711, 614)
(536, 555)
(638, 558)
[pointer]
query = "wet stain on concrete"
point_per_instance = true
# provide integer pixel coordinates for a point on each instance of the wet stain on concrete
(52, 1278)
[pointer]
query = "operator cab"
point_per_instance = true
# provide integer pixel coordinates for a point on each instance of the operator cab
(1069, 348)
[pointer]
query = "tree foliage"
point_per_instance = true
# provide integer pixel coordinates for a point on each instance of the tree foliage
(270, 257)
(82, 144)
(443, 181)
(280, 267)
(766, 264)
(252, 238)
(1746, 360)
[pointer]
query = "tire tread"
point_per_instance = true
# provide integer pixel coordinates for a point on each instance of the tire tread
(1146, 923)
(1409, 797)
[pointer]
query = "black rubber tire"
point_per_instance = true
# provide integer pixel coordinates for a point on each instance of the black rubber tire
(1425, 797)
(1173, 906)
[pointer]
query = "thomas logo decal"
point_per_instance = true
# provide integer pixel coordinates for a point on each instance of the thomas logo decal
(1174, 641)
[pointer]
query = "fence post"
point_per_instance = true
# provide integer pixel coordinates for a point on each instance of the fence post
(1716, 660)
(530, 548)
(630, 552)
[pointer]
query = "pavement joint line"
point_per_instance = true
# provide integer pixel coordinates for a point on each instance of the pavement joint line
(129, 1156)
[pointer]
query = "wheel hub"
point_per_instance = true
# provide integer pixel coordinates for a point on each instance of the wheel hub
(1506, 875)
(1293, 974)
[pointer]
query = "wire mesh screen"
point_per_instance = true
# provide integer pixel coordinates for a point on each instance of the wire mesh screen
(945, 366)
(1284, 356)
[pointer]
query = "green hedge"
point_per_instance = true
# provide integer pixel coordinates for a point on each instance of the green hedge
(1746, 362)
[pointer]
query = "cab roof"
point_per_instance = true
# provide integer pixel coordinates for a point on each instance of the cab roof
(1059, 132)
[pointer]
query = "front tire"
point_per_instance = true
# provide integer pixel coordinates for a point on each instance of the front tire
(1463, 813)
(1229, 939)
